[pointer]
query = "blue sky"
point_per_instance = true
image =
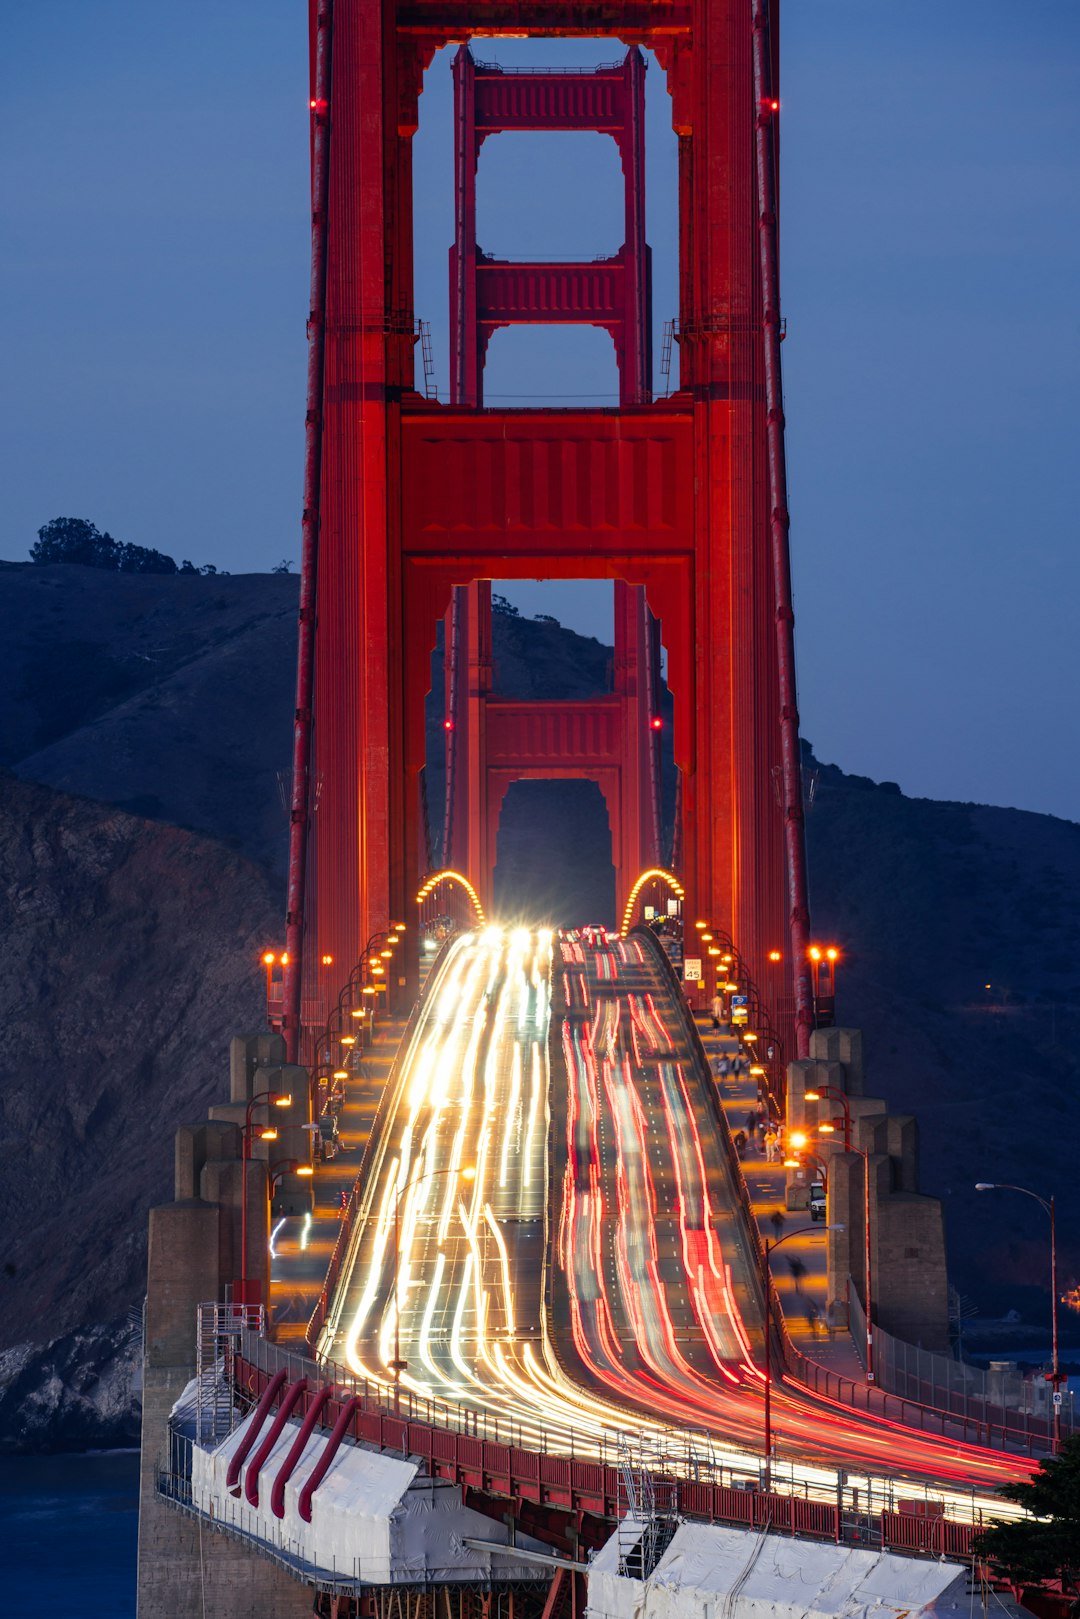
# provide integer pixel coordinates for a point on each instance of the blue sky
(154, 268)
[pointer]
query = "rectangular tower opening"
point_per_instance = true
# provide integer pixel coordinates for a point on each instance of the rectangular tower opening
(543, 194)
(554, 860)
(549, 367)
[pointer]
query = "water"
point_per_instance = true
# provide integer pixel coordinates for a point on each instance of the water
(68, 1526)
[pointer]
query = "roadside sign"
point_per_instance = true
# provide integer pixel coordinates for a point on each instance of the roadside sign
(692, 970)
(738, 1000)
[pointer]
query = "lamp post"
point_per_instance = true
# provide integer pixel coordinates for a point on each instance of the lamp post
(397, 1364)
(1055, 1375)
(288, 1166)
(834, 1093)
(770, 1249)
(266, 1133)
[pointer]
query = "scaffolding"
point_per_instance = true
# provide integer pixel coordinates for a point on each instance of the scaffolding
(218, 1339)
(648, 1503)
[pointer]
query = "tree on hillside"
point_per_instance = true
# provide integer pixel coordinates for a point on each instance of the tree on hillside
(143, 559)
(75, 539)
(1045, 1548)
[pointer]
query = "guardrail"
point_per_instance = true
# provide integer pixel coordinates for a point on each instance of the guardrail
(497, 1466)
(945, 1391)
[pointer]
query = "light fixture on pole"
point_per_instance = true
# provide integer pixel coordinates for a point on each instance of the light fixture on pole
(835, 1094)
(265, 1133)
(770, 1249)
(1056, 1378)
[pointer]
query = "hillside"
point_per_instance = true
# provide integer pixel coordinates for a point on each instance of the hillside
(931, 902)
(141, 848)
(170, 697)
(130, 958)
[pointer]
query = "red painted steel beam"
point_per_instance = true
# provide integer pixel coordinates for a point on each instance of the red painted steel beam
(300, 803)
(566, 734)
(557, 293)
(640, 20)
(589, 100)
(779, 526)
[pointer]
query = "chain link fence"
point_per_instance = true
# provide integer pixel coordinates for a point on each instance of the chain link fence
(999, 1396)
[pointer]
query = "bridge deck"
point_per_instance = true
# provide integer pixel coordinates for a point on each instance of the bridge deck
(571, 1253)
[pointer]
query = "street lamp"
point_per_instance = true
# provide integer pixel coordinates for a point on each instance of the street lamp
(823, 960)
(398, 1365)
(265, 1133)
(835, 1094)
(1055, 1375)
(770, 1248)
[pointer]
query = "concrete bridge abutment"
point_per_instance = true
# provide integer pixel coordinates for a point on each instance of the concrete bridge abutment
(185, 1570)
(906, 1249)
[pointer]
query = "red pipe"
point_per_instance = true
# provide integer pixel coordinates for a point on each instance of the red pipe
(270, 1394)
(296, 1449)
(295, 1393)
(330, 1450)
(299, 810)
(779, 523)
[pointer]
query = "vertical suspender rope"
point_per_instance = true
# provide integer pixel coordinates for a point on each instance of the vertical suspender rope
(791, 762)
(451, 654)
(300, 805)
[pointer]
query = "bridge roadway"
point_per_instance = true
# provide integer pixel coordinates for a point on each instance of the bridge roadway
(646, 1325)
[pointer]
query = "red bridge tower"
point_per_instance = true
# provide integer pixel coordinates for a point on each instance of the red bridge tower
(406, 499)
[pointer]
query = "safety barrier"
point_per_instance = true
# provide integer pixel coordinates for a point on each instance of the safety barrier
(497, 1468)
(958, 1395)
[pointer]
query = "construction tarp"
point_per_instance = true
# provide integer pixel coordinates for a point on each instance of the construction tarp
(709, 1571)
(376, 1518)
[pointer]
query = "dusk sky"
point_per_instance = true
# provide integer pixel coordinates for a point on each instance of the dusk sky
(154, 262)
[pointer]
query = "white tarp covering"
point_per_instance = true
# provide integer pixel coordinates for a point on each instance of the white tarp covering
(376, 1518)
(713, 1572)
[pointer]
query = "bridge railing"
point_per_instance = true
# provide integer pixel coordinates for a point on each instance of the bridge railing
(478, 1452)
(958, 1393)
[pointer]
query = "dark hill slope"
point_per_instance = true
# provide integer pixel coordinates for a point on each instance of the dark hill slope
(130, 959)
(930, 902)
(170, 696)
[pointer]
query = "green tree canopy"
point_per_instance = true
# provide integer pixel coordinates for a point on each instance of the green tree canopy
(1045, 1548)
(76, 539)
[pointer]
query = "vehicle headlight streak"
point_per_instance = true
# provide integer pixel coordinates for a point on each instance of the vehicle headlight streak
(472, 1089)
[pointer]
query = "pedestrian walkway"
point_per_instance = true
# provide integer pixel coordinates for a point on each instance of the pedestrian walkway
(301, 1245)
(799, 1265)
